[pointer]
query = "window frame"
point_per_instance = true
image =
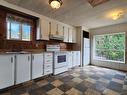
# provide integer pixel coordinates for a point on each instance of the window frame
(30, 22)
(94, 48)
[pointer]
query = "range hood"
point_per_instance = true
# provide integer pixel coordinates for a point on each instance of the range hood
(56, 37)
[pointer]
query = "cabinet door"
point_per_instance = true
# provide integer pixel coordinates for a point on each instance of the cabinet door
(78, 58)
(70, 35)
(54, 27)
(60, 30)
(73, 35)
(74, 58)
(37, 65)
(6, 70)
(66, 33)
(70, 60)
(45, 29)
(23, 68)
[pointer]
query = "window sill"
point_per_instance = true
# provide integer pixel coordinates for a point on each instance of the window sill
(17, 40)
(119, 62)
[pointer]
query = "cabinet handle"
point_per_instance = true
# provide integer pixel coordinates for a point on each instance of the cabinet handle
(48, 66)
(11, 59)
(48, 71)
(28, 58)
(33, 57)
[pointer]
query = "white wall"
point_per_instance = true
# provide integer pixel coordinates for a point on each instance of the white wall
(107, 30)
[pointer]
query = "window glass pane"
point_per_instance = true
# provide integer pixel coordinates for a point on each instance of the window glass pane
(110, 47)
(15, 30)
(26, 31)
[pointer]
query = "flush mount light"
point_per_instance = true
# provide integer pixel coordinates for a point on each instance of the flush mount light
(115, 14)
(55, 4)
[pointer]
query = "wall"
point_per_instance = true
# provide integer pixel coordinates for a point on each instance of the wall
(107, 30)
(9, 45)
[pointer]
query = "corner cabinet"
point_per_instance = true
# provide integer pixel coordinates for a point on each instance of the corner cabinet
(43, 29)
(7, 70)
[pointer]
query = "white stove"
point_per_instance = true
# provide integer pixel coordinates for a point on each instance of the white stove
(60, 59)
(60, 62)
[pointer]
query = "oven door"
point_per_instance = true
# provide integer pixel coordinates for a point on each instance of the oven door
(60, 60)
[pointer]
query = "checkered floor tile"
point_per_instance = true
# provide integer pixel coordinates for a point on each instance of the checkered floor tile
(89, 80)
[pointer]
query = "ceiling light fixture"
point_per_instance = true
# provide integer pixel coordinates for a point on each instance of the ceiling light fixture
(117, 15)
(55, 4)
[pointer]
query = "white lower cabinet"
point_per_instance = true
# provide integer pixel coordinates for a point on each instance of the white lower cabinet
(48, 63)
(78, 58)
(70, 59)
(37, 65)
(7, 70)
(73, 59)
(23, 68)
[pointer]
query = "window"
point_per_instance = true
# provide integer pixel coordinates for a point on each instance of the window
(18, 28)
(110, 47)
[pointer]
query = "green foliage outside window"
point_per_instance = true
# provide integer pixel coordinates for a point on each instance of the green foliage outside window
(110, 47)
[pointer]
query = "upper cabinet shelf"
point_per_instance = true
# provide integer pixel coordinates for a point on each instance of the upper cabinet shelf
(48, 27)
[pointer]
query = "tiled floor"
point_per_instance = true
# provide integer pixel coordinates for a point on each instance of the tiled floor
(90, 80)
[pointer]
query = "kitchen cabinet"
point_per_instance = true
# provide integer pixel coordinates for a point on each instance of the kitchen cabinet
(70, 59)
(7, 70)
(23, 68)
(43, 29)
(66, 34)
(76, 58)
(73, 35)
(60, 29)
(37, 65)
(48, 63)
(70, 35)
(54, 28)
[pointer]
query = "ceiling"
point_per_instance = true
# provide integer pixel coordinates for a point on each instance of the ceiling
(77, 12)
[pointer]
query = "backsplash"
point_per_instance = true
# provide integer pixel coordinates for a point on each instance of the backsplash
(12, 45)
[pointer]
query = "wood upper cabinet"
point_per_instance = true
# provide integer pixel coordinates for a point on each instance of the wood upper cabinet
(73, 35)
(66, 34)
(43, 29)
(54, 28)
(69, 34)
(60, 29)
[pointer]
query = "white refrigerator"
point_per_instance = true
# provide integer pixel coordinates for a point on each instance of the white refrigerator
(86, 51)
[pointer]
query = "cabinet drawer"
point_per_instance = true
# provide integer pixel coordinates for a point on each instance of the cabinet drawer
(48, 55)
(48, 61)
(48, 66)
(48, 71)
